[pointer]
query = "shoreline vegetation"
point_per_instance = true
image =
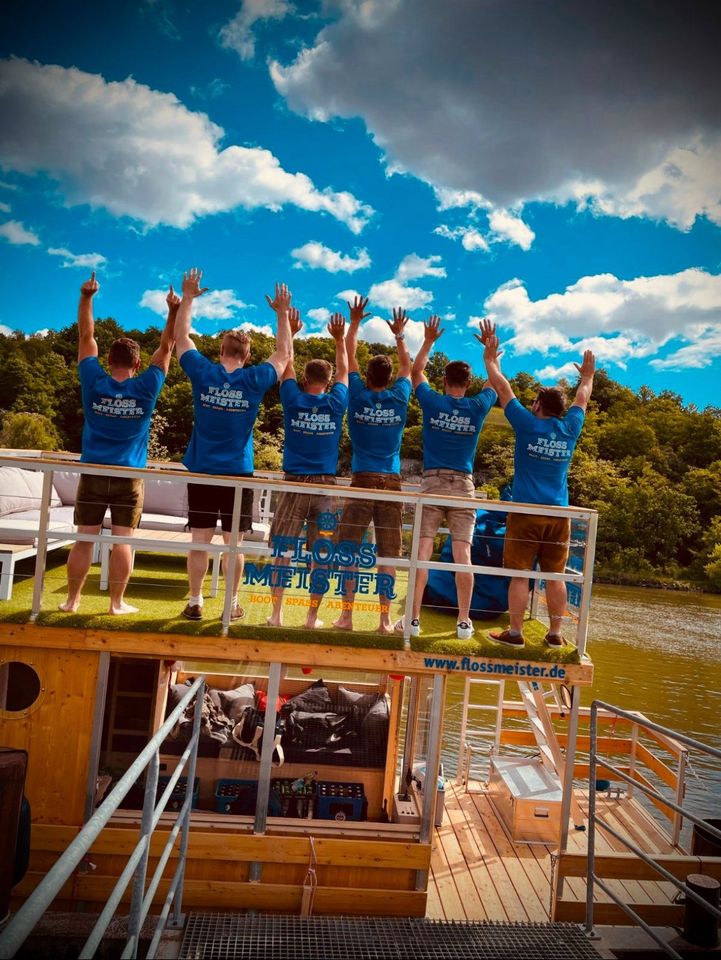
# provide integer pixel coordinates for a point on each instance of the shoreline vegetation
(648, 463)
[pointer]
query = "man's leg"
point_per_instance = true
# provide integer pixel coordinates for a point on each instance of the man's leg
(121, 565)
(276, 614)
(384, 623)
(556, 598)
(464, 580)
(425, 552)
(79, 561)
(197, 569)
(237, 574)
(517, 602)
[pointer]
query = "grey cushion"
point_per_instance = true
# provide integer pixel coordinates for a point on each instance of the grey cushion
(235, 701)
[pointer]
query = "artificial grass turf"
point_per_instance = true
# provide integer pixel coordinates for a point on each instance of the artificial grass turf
(159, 587)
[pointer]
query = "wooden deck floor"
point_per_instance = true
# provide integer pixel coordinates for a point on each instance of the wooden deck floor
(477, 873)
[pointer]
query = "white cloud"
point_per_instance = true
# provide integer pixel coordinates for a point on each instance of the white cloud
(413, 267)
(144, 154)
(565, 105)
(5, 207)
(393, 293)
(316, 256)
(16, 233)
(5, 331)
(42, 333)
(347, 296)
(618, 319)
(256, 328)
(566, 371)
(319, 314)
(214, 305)
(89, 261)
(376, 330)
(506, 226)
(237, 34)
(470, 238)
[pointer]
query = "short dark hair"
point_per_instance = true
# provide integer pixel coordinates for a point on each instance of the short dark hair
(552, 401)
(318, 371)
(458, 373)
(379, 371)
(124, 353)
(236, 343)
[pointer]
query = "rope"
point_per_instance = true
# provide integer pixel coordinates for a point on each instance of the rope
(310, 883)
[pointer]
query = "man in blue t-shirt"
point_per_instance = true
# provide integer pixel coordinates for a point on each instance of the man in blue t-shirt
(545, 441)
(452, 424)
(377, 411)
(117, 407)
(226, 398)
(313, 420)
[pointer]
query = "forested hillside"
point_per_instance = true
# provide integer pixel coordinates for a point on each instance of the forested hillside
(650, 465)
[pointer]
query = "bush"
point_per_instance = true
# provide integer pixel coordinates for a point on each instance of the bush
(28, 431)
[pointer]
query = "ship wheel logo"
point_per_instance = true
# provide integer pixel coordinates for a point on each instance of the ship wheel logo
(226, 386)
(327, 521)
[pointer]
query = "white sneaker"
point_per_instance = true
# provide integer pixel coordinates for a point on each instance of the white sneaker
(464, 629)
(400, 626)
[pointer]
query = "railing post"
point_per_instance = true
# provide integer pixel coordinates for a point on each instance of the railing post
(411, 726)
(178, 917)
(412, 567)
(232, 554)
(632, 758)
(146, 829)
(430, 782)
(41, 555)
(462, 748)
(591, 858)
(680, 794)
(499, 712)
(589, 555)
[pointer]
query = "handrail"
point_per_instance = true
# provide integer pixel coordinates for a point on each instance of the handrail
(594, 821)
(24, 921)
(411, 563)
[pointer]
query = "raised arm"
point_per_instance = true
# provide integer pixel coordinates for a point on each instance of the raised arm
(87, 344)
(398, 326)
(336, 328)
(161, 357)
(431, 332)
(585, 387)
(296, 325)
(351, 340)
(491, 354)
(283, 352)
(191, 290)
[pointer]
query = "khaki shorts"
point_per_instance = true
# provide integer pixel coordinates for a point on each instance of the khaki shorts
(529, 538)
(123, 495)
(387, 516)
(461, 521)
(295, 509)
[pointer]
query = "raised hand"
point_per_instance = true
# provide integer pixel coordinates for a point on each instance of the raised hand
(400, 319)
(432, 329)
(191, 284)
(282, 298)
(492, 352)
(296, 324)
(588, 366)
(356, 310)
(488, 329)
(90, 287)
(336, 327)
(173, 300)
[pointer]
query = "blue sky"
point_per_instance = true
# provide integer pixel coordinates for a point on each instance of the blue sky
(531, 163)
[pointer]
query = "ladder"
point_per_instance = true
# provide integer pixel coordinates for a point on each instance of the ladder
(552, 757)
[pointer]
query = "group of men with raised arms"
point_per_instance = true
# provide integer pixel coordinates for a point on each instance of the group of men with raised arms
(118, 407)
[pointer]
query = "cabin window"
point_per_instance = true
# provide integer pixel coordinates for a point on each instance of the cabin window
(19, 686)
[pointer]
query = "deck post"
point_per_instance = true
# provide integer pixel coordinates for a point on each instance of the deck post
(41, 556)
(680, 793)
(412, 567)
(146, 830)
(589, 555)
(101, 690)
(266, 760)
(411, 726)
(232, 558)
(567, 798)
(433, 760)
(591, 851)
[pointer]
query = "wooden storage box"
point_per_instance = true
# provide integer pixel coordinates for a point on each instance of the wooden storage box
(528, 798)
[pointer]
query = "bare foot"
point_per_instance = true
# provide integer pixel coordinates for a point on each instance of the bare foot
(343, 623)
(315, 625)
(119, 609)
(385, 628)
(274, 620)
(69, 607)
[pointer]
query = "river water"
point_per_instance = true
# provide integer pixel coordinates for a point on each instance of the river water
(655, 651)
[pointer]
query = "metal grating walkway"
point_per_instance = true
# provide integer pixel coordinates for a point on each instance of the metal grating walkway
(228, 936)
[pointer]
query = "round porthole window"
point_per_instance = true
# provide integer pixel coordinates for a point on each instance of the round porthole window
(19, 686)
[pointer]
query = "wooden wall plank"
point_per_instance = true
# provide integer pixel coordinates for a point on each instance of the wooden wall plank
(622, 866)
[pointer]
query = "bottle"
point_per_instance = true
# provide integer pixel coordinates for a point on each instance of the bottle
(303, 784)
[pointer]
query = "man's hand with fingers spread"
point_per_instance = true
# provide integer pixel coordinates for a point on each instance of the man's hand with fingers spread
(432, 329)
(588, 366)
(282, 298)
(90, 287)
(398, 324)
(357, 309)
(173, 300)
(296, 324)
(488, 329)
(336, 327)
(191, 284)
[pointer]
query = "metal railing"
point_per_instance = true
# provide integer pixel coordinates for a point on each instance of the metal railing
(595, 821)
(23, 922)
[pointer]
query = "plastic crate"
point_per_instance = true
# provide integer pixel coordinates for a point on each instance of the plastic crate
(236, 796)
(286, 802)
(177, 797)
(340, 801)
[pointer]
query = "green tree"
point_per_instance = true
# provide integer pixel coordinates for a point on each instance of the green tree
(28, 431)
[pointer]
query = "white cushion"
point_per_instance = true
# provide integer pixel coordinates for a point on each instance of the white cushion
(166, 497)
(162, 521)
(21, 490)
(25, 528)
(66, 485)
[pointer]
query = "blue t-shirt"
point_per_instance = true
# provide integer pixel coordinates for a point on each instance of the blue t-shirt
(376, 419)
(226, 406)
(117, 415)
(451, 427)
(544, 447)
(312, 428)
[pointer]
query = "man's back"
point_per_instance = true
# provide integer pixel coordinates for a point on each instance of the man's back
(376, 419)
(543, 452)
(312, 428)
(451, 427)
